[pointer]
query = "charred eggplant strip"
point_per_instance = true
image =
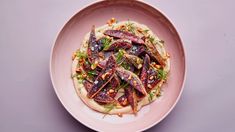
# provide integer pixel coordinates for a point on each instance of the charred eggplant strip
(144, 74)
(155, 53)
(131, 98)
(124, 35)
(135, 60)
(152, 79)
(119, 44)
(122, 100)
(137, 50)
(103, 98)
(104, 77)
(88, 85)
(107, 94)
(114, 84)
(92, 49)
(132, 79)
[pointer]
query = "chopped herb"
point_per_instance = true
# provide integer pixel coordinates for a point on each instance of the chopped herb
(74, 75)
(130, 27)
(158, 92)
(80, 81)
(126, 65)
(120, 56)
(106, 43)
(151, 95)
(91, 73)
(94, 65)
(124, 85)
(146, 30)
(81, 54)
(151, 39)
(108, 108)
(161, 74)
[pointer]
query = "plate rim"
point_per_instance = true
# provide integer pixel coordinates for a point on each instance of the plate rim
(98, 2)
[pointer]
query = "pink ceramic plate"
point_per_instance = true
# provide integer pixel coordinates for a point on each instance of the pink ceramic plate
(70, 39)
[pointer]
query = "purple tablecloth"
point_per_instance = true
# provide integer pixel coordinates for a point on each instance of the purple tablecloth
(28, 29)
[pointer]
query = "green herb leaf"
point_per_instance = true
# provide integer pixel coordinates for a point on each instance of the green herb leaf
(130, 27)
(120, 56)
(161, 74)
(81, 54)
(74, 75)
(146, 31)
(151, 96)
(106, 43)
(124, 85)
(108, 108)
(126, 65)
(152, 39)
(91, 73)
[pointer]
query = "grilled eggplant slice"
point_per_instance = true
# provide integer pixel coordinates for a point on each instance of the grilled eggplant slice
(152, 51)
(124, 35)
(137, 50)
(135, 60)
(132, 79)
(104, 77)
(152, 79)
(144, 74)
(92, 49)
(131, 98)
(119, 44)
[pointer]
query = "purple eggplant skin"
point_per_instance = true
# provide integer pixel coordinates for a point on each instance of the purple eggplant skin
(132, 79)
(131, 98)
(154, 53)
(92, 50)
(100, 44)
(119, 44)
(88, 85)
(152, 79)
(135, 60)
(103, 97)
(122, 100)
(104, 77)
(107, 94)
(137, 50)
(124, 35)
(144, 71)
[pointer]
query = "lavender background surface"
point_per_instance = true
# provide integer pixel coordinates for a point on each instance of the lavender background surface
(28, 29)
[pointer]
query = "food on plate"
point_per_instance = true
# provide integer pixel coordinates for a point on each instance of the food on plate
(120, 67)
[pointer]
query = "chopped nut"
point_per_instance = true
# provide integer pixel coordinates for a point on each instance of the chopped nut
(149, 86)
(139, 66)
(119, 114)
(104, 75)
(167, 55)
(151, 77)
(124, 101)
(113, 20)
(134, 82)
(74, 56)
(111, 91)
(93, 66)
(129, 78)
(84, 75)
(78, 69)
(157, 66)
